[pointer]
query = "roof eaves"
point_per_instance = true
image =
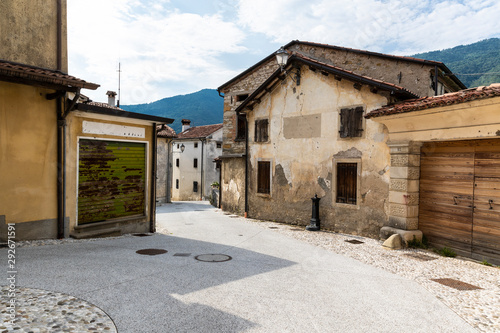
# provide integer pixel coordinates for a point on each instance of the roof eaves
(119, 113)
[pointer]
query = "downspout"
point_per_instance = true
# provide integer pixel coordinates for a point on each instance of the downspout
(202, 169)
(436, 81)
(220, 185)
(246, 166)
(168, 190)
(61, 137)
(152, 225)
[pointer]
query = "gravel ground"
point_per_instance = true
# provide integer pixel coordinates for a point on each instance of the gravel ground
(480, 307)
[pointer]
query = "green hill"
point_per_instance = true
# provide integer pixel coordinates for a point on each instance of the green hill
(478, 58)
(204, 107)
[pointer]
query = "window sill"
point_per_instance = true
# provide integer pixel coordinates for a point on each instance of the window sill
(264, 195)
(347, 206)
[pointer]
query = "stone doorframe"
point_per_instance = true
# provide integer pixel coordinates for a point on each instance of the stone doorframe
(403, 191)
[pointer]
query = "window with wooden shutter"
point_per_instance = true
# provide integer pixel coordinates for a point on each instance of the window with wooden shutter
(177, 183)
(264, 177)
(347, 183)
(195, 163)
(177, 162)
(195, 186)
(241, 127)
(261, 130)
(351, 122)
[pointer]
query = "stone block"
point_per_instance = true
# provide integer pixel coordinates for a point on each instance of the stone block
(405, 223)
(403, 198)
(393, 242)
(406, 235)
(412, 173)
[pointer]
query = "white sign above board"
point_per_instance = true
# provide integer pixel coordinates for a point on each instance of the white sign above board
(90, 127)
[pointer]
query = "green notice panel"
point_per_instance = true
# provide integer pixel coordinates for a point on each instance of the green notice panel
(111, 180)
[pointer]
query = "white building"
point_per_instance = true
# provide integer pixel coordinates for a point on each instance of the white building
(193, 154)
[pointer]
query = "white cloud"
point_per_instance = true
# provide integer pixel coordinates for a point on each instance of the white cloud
(389, 26)
(157, 46)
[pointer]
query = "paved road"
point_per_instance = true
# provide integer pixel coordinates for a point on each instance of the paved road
(272, 284)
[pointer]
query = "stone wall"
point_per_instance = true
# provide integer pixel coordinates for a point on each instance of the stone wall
(233, 185)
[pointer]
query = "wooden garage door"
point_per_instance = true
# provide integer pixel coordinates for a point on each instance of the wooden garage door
(460, 197)
(111, 180)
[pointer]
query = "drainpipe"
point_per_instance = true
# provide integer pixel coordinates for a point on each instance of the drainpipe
(436, 81)
(202, 170)
(152, 225)
(59, 36)
(220, 185)
(246, 166)
(168, 193)
(61, 137)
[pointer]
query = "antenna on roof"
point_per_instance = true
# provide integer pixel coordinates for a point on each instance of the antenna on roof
(119, 79)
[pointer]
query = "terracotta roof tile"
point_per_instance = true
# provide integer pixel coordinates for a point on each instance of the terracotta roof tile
(30, 74)
(199, 131)
(458, 97)
(104, 105)
(165, 131)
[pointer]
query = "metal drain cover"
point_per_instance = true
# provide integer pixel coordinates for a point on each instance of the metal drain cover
(354, 241)
(213, 257)
(459, 285)
(182, 254)
(420, 256)
(151, 252)
(141, 235)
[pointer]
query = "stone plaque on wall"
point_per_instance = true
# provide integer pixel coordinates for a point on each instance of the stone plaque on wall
(302, 127)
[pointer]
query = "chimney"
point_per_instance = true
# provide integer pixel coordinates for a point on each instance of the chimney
(111, 97)
(185, 124)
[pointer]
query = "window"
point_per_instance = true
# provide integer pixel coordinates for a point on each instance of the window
(219, 145)
(196, 144)
(177, 183)
(177, 146)
(177, 162)
(347, 183)
(241, 127)
(195, 186)
(264, 177)
(195, 163)
(351, 122)
(261, 130)
(241, 98)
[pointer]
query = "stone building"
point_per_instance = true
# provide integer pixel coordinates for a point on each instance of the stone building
(290, 134)
(193, 153)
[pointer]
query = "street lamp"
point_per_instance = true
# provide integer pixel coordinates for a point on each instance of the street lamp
(281, 57)
(182, 148)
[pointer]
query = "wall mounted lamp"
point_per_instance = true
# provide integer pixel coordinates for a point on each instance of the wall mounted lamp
(182, 148)
(282, 59)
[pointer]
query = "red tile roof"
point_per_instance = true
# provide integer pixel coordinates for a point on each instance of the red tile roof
(25, 74)
(458, 97)
(165, 131)
(199, 131)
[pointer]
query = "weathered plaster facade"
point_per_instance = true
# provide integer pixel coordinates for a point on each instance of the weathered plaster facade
(163, 169)
(304, 147)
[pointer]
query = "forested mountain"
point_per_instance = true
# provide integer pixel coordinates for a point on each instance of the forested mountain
(204, 107)
(479, 59)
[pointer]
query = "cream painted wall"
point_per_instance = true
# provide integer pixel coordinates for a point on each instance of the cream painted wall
(28, 154)
(473, 120)
(307, 164)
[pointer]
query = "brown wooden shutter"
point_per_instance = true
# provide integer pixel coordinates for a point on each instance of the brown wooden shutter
(111, 180)
(261, 130)
(347, 183)
(264, 177)
(241, 127)
(351, 122)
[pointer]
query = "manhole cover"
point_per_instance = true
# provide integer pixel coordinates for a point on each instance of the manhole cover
(213, 257)
(141, 235)
(459, 285)
(150, 252)
(354, 241)
(420, 256)
(182, 254)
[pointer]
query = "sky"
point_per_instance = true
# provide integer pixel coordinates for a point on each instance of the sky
(176, 47)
